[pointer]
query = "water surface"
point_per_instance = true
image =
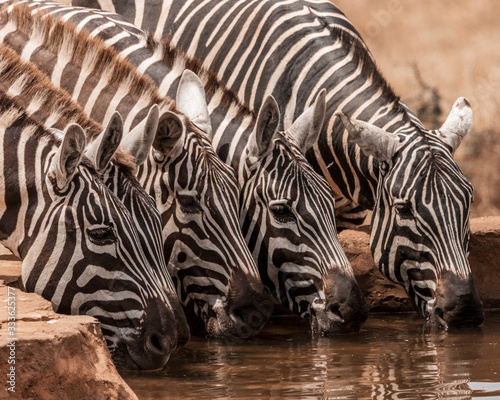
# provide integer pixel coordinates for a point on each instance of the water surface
(393, 357)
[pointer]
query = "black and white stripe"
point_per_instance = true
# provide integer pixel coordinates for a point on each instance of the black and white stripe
(24, 84)
(292, 49)
(215, 275)
(79, 244)
(286, 208)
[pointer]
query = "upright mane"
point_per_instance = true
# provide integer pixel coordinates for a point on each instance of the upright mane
(79, 48)
(172, 54)
(11, 111)
(30, 86)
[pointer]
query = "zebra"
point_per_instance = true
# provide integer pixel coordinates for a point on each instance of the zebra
(286, 209)
(32, 90)
(373, 150)
(215, 276)
(78, 243)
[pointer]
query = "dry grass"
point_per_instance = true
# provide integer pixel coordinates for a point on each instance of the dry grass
(455, 47)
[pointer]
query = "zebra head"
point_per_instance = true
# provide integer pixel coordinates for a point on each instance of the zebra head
(78, 242)
(215, 275)
(287, 217)
(420, 224)
(118, 174)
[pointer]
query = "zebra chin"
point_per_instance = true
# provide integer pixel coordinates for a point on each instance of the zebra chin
(163, 330)
(239, 318)
(343, 310)
(455, 303)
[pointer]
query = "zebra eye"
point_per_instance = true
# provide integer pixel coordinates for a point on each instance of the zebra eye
(102, 236)
(189, 204)
(282, 212)
(404, 210)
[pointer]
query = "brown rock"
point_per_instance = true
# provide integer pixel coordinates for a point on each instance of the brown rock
(484, 259)
(380, 293)
(56, 356)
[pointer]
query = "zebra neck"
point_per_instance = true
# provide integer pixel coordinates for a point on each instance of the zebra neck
(25, 154)
(232, 121)
(94, 75)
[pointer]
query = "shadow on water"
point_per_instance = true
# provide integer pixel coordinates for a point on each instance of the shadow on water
(393, 357)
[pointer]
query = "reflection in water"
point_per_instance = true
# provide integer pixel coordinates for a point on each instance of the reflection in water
(393, 357)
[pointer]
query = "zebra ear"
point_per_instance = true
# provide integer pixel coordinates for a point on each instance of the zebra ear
(261, 140)
(68, 156)
(139, 140)
(457, 125)
(307, 127)
(170, 130)
(372, 140)
(191, 101)
(104, 146)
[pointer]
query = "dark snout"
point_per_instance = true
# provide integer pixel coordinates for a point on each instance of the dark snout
(164, 330)
(457, 301)
(249, 305)
(345, 309)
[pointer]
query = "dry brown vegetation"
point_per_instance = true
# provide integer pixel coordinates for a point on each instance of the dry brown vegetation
(433, 52)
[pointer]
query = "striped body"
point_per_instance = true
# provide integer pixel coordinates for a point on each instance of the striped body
(299, 256)
(31, 90)
(294, 48)
(79, 244)
(215, 276)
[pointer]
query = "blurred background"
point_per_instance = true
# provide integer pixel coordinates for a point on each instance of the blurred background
(431, 53)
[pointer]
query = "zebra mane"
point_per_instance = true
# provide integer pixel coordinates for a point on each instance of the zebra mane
(172, 54)
(25, 81)
(11, 112)
(361, 55)
(79, 48)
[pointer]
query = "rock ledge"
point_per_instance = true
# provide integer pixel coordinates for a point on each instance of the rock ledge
(56, 356)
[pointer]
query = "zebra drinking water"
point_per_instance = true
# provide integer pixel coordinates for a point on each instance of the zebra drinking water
(215, 275)
(78, 243)
(286, 209)
(376, 155)
(32, 90)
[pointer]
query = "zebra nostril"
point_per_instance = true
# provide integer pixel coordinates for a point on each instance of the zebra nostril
(156, 344)
(335, 310)
(238, 314)
(181, 257)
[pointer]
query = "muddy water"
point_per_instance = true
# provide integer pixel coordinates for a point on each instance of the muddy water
(393, 357)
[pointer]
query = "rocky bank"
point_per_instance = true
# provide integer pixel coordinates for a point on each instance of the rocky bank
(54, 356)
